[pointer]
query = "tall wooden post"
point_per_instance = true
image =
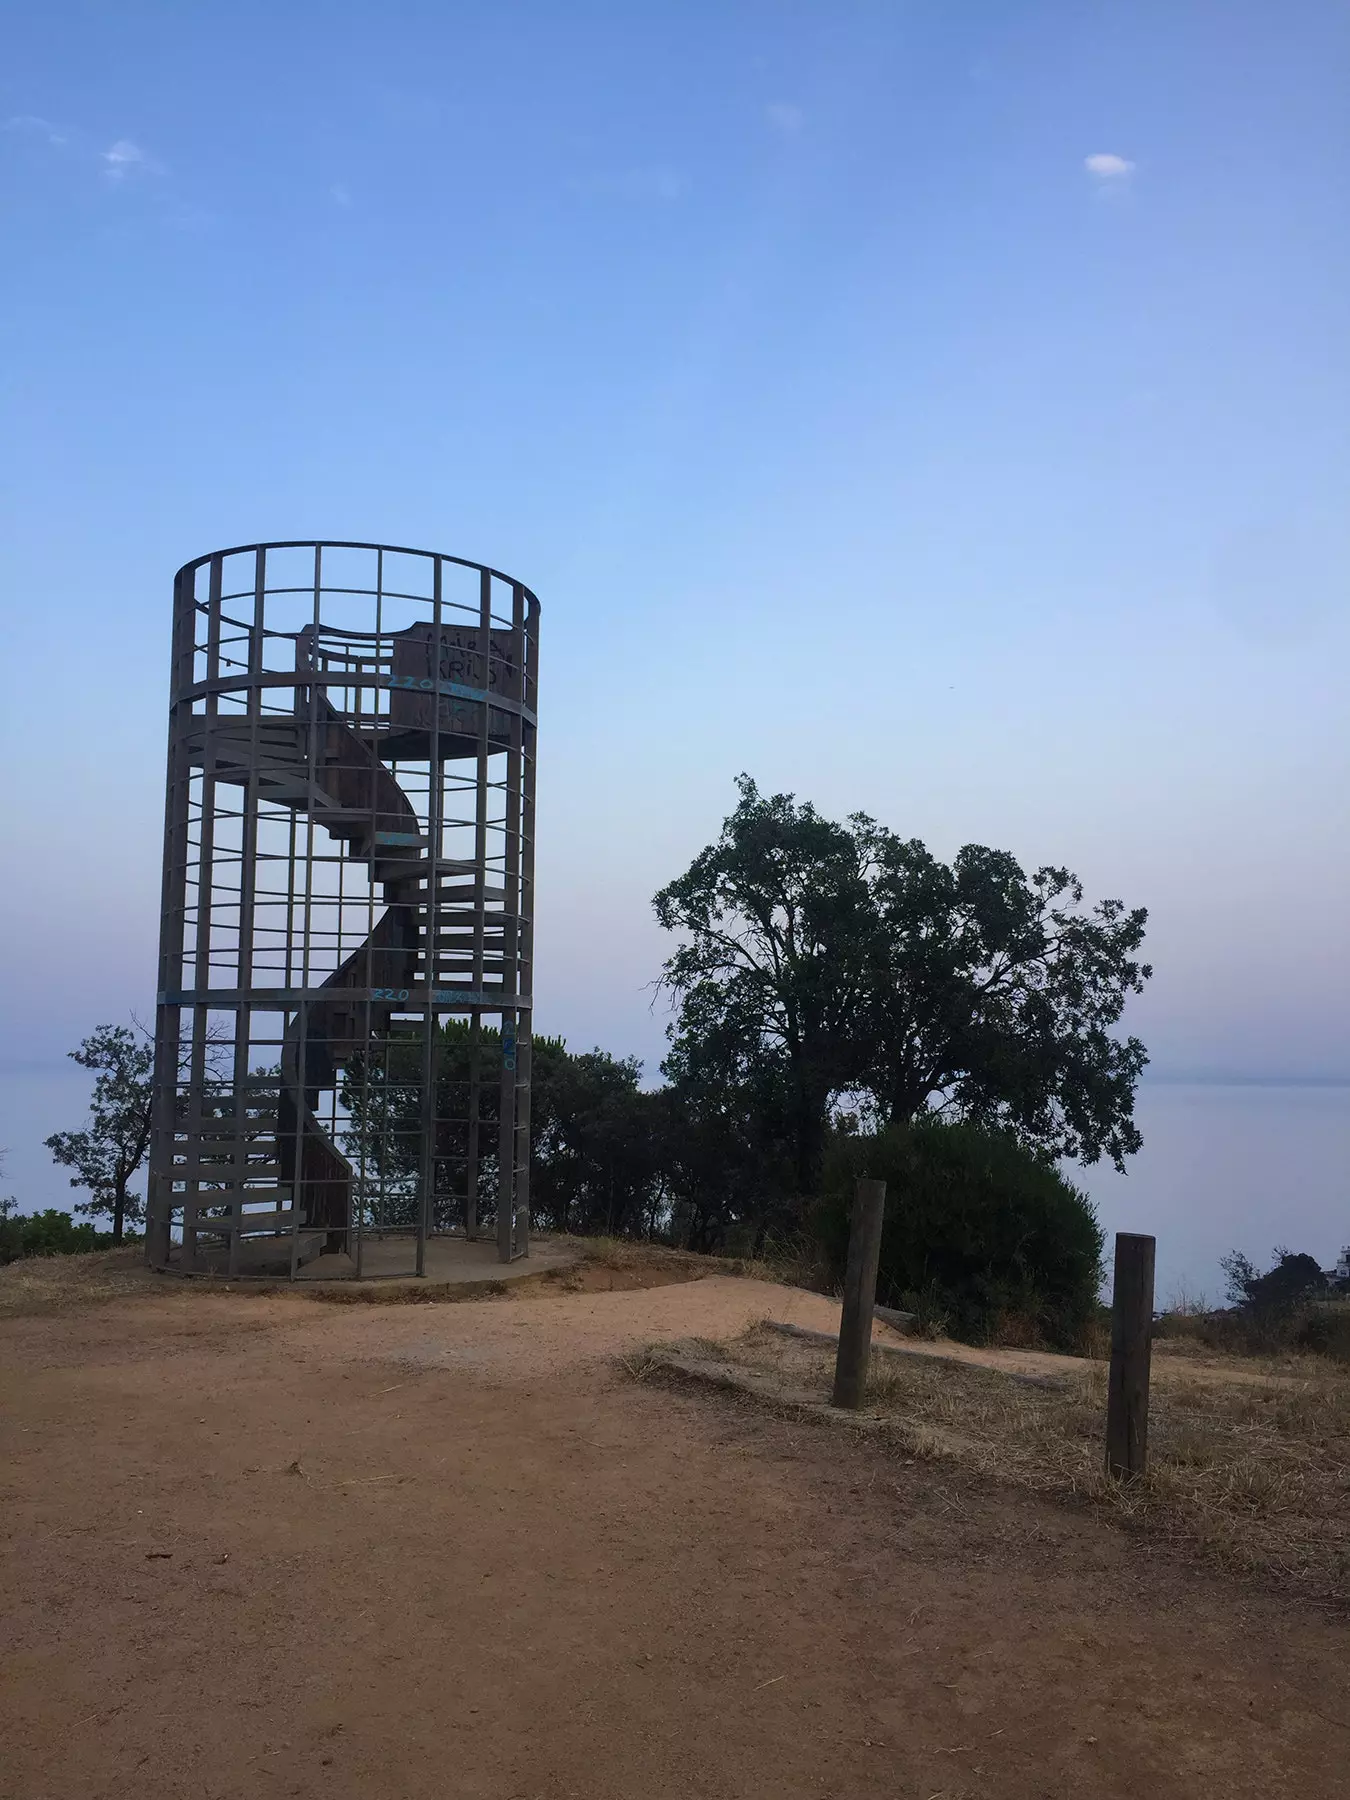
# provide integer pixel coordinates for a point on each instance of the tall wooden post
(860, 1293)
(1131, 1351)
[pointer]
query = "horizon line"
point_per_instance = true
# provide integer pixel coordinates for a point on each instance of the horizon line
(1229, 1078)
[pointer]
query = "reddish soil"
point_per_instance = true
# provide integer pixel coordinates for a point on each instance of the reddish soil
(259, 1546)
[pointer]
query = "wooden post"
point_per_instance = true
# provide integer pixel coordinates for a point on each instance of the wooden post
(1131, 1349)
(860, 1293)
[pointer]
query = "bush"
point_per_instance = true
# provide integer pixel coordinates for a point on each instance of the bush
(1319, 1327)
(1324, 1328)
(48, 1233)
(1288, 1308)
(980, 1232)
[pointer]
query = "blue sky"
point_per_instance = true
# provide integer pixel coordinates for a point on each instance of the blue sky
(938, 409)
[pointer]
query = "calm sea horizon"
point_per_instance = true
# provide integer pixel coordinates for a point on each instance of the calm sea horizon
(1230, 1165)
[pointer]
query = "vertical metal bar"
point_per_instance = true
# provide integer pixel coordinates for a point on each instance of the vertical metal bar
(435, 809)
(248, 852)
(527, 626)
(306, 941)
(173, 913)
(475, 1100)
(506, 1141)
(206, 881)
(359, 1199)
(480, 852)
(292, 856)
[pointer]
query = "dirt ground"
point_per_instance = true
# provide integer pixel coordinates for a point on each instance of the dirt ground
(260, 1546)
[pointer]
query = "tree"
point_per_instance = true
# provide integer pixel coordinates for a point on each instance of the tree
(1240, 1276)
(1291, 1279)
(108, 1152)
(772, 976)
(592, 1150)
(728, 1152)
(48, 1233)
(995, 993)
(592, 1145)
(823, 961)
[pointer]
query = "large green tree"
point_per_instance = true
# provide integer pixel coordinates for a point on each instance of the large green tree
(995, 994)
(822, 961)
(772, 976)
(593, 1147)
(108, 1153)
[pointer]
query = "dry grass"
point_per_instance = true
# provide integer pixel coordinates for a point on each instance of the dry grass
(45, 1284)
(630, 1254)
(1249, 1463)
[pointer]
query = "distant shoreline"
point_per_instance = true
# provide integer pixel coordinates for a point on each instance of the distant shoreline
(1263, 1081)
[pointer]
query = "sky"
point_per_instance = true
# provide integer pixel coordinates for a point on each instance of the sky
(940, 410)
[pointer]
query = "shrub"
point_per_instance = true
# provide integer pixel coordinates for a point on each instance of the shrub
(1285, 1309)
(1325, 1329)
(1321, 1327)
(48, 1233)
(979, 1231)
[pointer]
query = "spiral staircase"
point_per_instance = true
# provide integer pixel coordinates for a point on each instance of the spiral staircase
(273, 1187)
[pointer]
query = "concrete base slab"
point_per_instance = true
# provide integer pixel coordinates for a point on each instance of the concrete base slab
(450, 1261)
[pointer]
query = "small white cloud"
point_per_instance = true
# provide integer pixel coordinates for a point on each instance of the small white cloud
(339, 195)
(1105, 165)
(785, 117)
(31, 124)
(124, 158)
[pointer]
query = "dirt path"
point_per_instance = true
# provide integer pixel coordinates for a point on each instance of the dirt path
(263, 1547)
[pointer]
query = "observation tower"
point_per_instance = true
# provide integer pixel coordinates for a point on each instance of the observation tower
(342, 1043)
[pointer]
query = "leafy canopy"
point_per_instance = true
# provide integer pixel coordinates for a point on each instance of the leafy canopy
(1292, 1278)
(823, 961)
(593, 1152)
(106, 1155)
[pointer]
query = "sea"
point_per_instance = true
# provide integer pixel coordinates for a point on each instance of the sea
(1251, 1166)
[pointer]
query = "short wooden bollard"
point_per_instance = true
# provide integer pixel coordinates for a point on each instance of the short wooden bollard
(1131, 1351)
(860, 1293)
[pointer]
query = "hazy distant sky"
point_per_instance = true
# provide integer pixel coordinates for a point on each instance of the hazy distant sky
(936, 409)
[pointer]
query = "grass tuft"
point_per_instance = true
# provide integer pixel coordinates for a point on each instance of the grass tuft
(46, 1284)
(1249, 1459)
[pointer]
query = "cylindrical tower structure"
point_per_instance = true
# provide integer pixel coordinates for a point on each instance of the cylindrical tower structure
(342, 1053)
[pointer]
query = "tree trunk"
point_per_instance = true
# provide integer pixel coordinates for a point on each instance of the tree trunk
(905, 1103)
(119, 1211)
(810, 1142)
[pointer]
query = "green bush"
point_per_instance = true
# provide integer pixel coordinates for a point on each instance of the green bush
(1324, 1328)
(980, 1232)
(1288, 1308)
(48, 1233)
(1321, 1327)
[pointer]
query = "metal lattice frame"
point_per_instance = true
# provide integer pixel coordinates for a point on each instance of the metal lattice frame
(348, 894)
